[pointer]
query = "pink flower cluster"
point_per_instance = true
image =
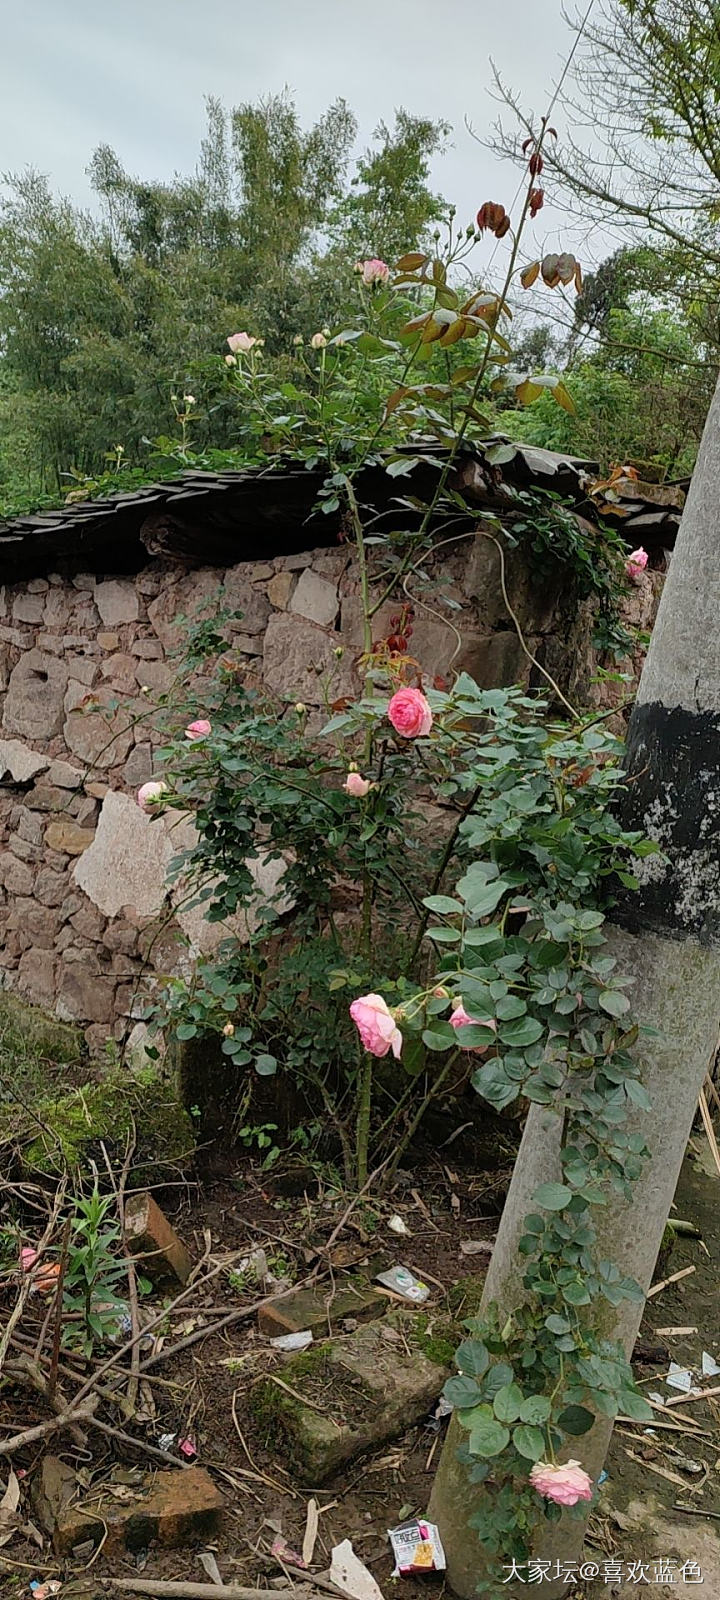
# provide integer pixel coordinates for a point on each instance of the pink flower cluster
(410, 714)
(376, 1025)
(357, 786)
(151, 795)
(242, 342)
(565, 1484)
(636, 564)
(373, 272)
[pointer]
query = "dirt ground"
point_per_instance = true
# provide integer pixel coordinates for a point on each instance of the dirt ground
(453, 1195)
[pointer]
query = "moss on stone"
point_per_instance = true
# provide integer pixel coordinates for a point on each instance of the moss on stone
(438, 1338)
(66, 1130)
(465, 1296)
(30, 1039)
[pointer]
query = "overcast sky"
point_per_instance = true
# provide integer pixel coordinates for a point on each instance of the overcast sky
(133, 74)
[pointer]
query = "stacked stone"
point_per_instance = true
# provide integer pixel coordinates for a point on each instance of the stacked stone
(82, 869)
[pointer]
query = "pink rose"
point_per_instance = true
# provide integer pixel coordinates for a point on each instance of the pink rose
(241, 341)
(198, 730)
(373, 271)
(376, 1025)
(151, 795)
(565, 1484)
(636, 563)
(460, 1019)
(356, 785)
(410, 714)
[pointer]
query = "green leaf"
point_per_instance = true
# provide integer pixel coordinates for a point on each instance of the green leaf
(632, 1404)
(442, 903)
(507, 1404)
(443, 935)
(526, 1030)
(438, 1038)
(265, 1066)
(577, 1420)
(510, 1007)
(529, 1442)
(612, 1001)
(637, 1094)
(552, 1196)
(472, 1358)
(462, 1392)
(487, 1437)
(536, 1409)
(576, 1294)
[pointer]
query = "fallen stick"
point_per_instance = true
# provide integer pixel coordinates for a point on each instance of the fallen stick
(709, 1129)
(687, 1399)
(31, 1435)
(676, 1276)
(139, 1444)
(158, 1589)
(695, 1511)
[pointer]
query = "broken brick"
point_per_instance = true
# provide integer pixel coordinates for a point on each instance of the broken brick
(171, 1509)
(148, 1235)
(308, 1308)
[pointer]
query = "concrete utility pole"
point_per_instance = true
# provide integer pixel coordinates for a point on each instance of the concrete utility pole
(667, 936)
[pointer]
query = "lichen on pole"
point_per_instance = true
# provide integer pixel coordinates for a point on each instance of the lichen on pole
(666, 936)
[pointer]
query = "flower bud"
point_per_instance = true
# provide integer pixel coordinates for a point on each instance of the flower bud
(228, 1030)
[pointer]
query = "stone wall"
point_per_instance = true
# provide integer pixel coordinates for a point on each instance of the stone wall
(82, 870)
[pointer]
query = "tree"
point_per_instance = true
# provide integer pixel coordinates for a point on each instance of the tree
(103, 318)
(638, 358)
(667, 938)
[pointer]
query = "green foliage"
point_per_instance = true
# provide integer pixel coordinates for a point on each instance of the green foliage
(554, 537)
(103, 319)
(93, 1272)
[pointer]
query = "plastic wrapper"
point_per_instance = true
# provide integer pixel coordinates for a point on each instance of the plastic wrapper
(417, 1548)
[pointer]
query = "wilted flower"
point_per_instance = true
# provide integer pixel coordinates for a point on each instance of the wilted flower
(636, 563)
(537, 200)
(373, 272)
(493, 216)
(198, 730)
(565, 1485)
(376, 1025)
(410, 714)
(241, 341)
(318, 341)
(151, 795)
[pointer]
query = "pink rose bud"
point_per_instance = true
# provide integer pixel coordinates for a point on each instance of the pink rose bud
(231, 361)
(229, 1030)
(198, 730)
(356, 785)
(636, 563)
(565, 1484)
(410, 714)
(151, 795)
(28, 1257)
(376, 1025)
(373, 272)
(460, 1019)
(241, 341)
(318, 341)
